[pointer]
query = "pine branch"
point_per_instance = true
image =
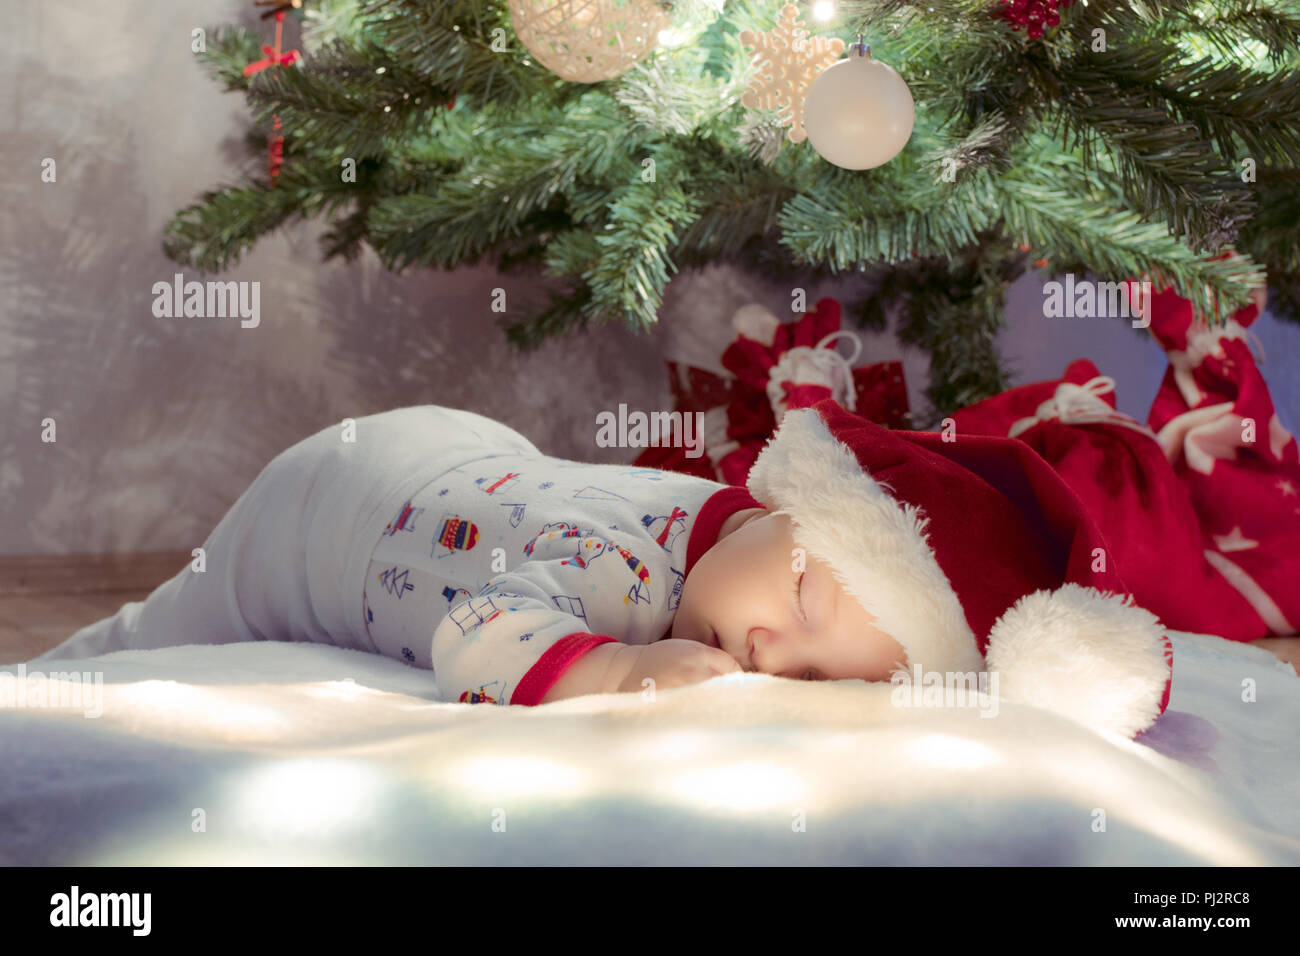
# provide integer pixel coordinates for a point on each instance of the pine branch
(1131, 19)
(522, 170)
(1235, 26)
(328, 22)
(449, 43)
(953, 309)
(849, 224)
(956, 18)
(1231, 105)
(213, 234)
(345, 238)
(628, 279)
(1227, 102)
(1164, 166)
(1094, 157)
(737, 211)
(673, 95)
(348, 101)
(1273, 238)
(965, 366)
(1117, 244)
(985, 146)
(228, 50)
(572, 253)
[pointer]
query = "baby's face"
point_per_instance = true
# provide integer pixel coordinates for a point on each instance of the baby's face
(741, 596)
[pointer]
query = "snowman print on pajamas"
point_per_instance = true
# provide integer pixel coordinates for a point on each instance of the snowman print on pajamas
(588, 546)
(583, 542)
(665, 528)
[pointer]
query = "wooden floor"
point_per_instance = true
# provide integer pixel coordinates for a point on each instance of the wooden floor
(44, 599)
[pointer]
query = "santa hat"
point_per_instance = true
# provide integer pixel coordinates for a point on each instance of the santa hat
(972, 553)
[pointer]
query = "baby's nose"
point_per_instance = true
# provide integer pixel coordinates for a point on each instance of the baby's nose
(763, 644)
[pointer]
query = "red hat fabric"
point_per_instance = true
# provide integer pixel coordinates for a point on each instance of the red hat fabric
(973, 554)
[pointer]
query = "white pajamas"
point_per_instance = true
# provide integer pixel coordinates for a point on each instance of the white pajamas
(444, 539)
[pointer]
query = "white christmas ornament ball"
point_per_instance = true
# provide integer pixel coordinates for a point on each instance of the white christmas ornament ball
(858, 112)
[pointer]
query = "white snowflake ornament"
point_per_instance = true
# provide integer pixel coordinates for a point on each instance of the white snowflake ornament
(788, 60)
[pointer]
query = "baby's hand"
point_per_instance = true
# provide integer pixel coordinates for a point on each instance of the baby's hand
(672, 663)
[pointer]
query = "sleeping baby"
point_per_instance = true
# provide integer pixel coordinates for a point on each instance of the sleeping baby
(448, 541)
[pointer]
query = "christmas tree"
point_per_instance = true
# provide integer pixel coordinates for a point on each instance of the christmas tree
(1159, 138)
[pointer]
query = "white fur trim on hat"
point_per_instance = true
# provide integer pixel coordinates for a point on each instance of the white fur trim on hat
(1084, 653)
(875, 545)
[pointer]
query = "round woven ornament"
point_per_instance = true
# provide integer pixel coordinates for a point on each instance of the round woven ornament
(586, 41)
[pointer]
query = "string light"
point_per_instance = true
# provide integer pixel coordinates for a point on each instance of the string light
(823, 10)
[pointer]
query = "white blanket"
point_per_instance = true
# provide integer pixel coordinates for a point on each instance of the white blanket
(281, 753)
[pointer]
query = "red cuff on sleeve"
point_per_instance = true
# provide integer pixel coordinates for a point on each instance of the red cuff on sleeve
(557, 659)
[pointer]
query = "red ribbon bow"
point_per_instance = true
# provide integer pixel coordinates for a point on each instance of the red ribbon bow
(272, 59)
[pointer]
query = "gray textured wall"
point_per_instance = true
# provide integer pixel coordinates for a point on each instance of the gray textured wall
(161, 423)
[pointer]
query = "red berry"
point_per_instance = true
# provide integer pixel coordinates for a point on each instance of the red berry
(1053, 19)
(1035, 31)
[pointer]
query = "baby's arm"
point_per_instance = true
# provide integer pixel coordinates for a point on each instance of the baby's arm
(623, 668)
(1286, 649)
(599, 671)
(526, 639)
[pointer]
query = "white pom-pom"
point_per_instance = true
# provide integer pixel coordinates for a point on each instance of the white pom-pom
(755, 322)
(1095, 657)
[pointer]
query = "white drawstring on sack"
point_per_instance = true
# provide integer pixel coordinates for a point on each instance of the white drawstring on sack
(1080, 405)
(1203, 340)
(819, 365)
